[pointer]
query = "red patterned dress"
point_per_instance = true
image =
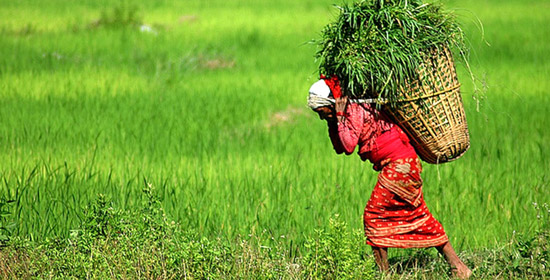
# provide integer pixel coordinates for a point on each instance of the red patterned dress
(396, 214)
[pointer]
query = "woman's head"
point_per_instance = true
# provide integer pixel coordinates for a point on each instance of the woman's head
(319, 95)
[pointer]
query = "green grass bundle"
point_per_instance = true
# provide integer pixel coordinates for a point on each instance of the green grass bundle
(376, 46)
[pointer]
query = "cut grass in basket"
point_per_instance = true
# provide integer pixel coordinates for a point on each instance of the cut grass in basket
(375, 47)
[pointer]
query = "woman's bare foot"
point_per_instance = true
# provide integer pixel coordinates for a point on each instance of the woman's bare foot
(458, 268)
(461, 272)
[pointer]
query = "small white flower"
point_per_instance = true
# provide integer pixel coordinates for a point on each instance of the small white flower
(147, 29)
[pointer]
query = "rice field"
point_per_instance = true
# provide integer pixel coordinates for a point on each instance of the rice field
(206, 101)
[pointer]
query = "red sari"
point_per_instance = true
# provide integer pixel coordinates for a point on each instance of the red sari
(396, 214)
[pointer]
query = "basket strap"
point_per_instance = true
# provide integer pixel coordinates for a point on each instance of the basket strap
(385, 101)
(369, 100)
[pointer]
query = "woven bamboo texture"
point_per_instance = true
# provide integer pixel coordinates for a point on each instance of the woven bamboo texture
(432, 113)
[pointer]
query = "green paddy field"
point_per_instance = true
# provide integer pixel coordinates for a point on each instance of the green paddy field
(205, 101)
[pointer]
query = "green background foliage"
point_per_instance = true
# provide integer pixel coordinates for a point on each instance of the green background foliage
(205, 100)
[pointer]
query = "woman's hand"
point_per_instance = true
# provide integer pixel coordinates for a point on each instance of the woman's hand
(340, 107)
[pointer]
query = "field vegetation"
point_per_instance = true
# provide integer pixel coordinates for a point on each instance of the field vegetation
(166, 139)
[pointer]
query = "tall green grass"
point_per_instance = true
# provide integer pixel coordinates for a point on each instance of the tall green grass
(210, 109)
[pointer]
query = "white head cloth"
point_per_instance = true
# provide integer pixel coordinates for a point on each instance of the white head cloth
(319, 94)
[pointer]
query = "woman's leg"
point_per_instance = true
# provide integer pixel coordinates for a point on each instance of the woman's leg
(458, 268)
(381, 258)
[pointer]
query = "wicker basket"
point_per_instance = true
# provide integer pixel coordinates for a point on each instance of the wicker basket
(432, 113)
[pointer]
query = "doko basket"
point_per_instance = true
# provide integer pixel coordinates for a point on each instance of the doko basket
(432, 113)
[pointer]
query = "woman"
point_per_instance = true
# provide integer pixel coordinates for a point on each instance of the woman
(396, 215)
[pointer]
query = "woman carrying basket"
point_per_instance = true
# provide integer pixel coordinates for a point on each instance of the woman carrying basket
(396, 215)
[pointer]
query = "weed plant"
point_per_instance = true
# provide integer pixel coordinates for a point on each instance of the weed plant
(334, 255)
(5, 225)
(120, 15)
(144, 243)
(375, 47)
